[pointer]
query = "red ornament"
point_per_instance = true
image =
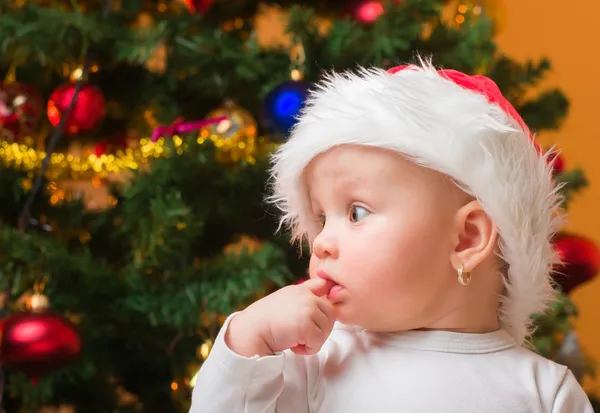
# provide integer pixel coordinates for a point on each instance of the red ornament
(368, 11)
(581, 261)
(88, 112)
(198, 6)
(558, 163)
(38, 343)
(21, 109)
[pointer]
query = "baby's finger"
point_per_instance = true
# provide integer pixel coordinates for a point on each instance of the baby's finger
(327, 308)
(313, 337)
(323, 323)
(318, 286)
(300, 350)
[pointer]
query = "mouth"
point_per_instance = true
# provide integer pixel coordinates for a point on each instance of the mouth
(335, 290)
(324, 275)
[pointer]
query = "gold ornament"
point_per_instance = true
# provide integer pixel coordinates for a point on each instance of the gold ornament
(239, 122)
(38, 301)
(235, 137)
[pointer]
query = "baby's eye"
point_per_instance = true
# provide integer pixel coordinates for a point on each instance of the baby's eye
(357, 213)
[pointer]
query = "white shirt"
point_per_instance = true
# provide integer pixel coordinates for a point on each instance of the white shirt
(409, 372)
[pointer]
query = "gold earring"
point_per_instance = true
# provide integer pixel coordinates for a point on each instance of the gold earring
(464, 277)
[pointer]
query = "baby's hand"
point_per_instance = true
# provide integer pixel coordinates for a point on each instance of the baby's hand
(296, 317)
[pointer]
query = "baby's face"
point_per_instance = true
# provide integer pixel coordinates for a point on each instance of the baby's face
(382, 228)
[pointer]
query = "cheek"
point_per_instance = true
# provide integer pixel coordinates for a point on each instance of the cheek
(312, 266)
(397, 253)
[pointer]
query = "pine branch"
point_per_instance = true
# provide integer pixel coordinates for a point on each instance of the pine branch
(546, 111)
(220, 286)
(572, 182)
(514, 78)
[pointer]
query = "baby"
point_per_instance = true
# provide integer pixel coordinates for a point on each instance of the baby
(429, 211)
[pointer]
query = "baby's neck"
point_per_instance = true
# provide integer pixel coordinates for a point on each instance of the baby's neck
(479, 327)
(474, 310)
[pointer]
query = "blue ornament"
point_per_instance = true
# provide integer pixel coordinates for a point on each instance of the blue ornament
(283, 104)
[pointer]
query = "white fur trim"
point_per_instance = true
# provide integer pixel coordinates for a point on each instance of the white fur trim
(455, 131)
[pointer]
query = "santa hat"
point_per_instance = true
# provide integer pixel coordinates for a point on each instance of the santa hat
(453, 123)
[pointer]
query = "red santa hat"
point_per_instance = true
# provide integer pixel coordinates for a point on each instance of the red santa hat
(459, 125)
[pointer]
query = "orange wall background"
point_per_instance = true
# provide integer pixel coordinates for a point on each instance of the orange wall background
(568, 35)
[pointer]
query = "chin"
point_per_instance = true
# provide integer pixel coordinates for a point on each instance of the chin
(348, 318)
(344, 316)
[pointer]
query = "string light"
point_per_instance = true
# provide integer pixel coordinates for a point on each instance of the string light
(296, 74)
(193, 380)
(77, 74)
(297, 61)
(464, 9)
(204, 349)
(65, 165)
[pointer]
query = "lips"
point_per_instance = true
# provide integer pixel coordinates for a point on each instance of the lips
(324, 275)
(335, 290)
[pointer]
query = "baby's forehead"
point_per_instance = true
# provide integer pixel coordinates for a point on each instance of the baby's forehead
(322, 179)
(353, 160)
(355, 165)
(365, 171)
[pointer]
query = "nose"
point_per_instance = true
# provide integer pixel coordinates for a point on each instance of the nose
(325, 245)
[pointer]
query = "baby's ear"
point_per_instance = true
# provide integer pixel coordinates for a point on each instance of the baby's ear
(476, 236)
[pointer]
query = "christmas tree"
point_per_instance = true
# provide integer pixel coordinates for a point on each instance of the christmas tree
(134, 149)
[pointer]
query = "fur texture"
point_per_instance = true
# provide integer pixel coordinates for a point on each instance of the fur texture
(458, 132)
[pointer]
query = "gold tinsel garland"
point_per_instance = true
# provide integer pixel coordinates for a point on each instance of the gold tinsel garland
(69, 166)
